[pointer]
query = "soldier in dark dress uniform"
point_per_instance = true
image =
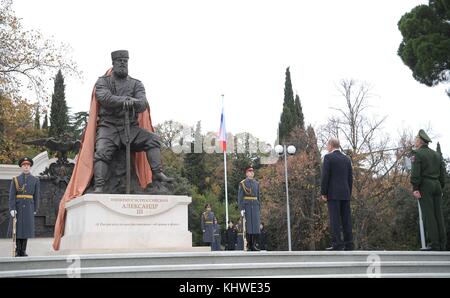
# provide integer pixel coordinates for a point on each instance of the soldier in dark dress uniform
(428, 180)
(114, 93)
(207, 225)
(230, 237)
(240, 235)
(24, 195)
(249, 204)
(216, 239)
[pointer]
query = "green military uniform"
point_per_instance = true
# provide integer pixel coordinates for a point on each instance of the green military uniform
(427, 176)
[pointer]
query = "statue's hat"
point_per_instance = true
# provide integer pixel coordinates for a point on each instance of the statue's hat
(119, 54)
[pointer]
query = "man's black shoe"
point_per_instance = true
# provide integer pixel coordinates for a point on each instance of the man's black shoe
(333, 248)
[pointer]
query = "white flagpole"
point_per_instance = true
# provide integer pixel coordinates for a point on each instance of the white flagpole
(225, 170)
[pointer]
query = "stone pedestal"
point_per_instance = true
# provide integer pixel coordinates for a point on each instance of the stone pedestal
(121, 222)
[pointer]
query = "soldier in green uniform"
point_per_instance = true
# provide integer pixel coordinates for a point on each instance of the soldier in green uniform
(24, 196)
(428, 179)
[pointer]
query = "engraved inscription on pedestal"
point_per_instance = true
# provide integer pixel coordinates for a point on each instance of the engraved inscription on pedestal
(127, 222)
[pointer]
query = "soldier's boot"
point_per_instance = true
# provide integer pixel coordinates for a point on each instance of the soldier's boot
(154, 159)
(18, 247)
(24, 248)
(249, 242)
(100, 172)
(254, 248)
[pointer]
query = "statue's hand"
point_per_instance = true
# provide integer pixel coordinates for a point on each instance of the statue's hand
(127, 103)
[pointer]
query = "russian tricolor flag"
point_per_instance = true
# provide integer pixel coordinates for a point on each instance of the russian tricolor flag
(223, 132)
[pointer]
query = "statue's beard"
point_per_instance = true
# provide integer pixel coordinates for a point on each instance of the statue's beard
(121, 72)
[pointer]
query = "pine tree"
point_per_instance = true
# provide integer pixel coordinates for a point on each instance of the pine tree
(37, 118)
(287, 119)
(299, 119)
(45, 124)
(59, 117)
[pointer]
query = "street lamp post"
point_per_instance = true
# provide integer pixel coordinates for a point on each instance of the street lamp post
(291, 151)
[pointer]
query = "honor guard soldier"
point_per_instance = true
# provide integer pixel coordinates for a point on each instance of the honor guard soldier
(208, 225)
(216, 239)
(24, 196)
(428, 180)
(230, 237)
(240, 235)
(249, 204)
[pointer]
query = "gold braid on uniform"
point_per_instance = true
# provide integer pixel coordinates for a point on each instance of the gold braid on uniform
(22, 188)
(247, 191)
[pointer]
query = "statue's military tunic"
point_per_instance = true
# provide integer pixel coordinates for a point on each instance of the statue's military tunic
(428, 177)
(240, 237)
(24, 195)
(248, 200)
(207, 226)
(216, 240)
(111, 94)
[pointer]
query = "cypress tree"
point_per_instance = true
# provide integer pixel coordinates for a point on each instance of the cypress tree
(299, 119)
(194, 162)
(45, 124)
(37, 118)
(59, 117)
(287, 118)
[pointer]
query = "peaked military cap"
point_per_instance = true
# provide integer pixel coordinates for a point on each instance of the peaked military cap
(248, 169)
(119, 54)
(423, 135)
(25, 159)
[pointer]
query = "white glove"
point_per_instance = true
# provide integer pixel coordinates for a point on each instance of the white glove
(242, 213)
(13, 213)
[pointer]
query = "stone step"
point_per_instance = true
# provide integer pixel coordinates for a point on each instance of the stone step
(293, 269)
(201, 258)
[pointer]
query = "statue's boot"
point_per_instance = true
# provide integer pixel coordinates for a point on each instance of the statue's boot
(100, 172)
(154, 159)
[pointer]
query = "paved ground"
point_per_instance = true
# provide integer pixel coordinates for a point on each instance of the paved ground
(43, 247)
(35, 247)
